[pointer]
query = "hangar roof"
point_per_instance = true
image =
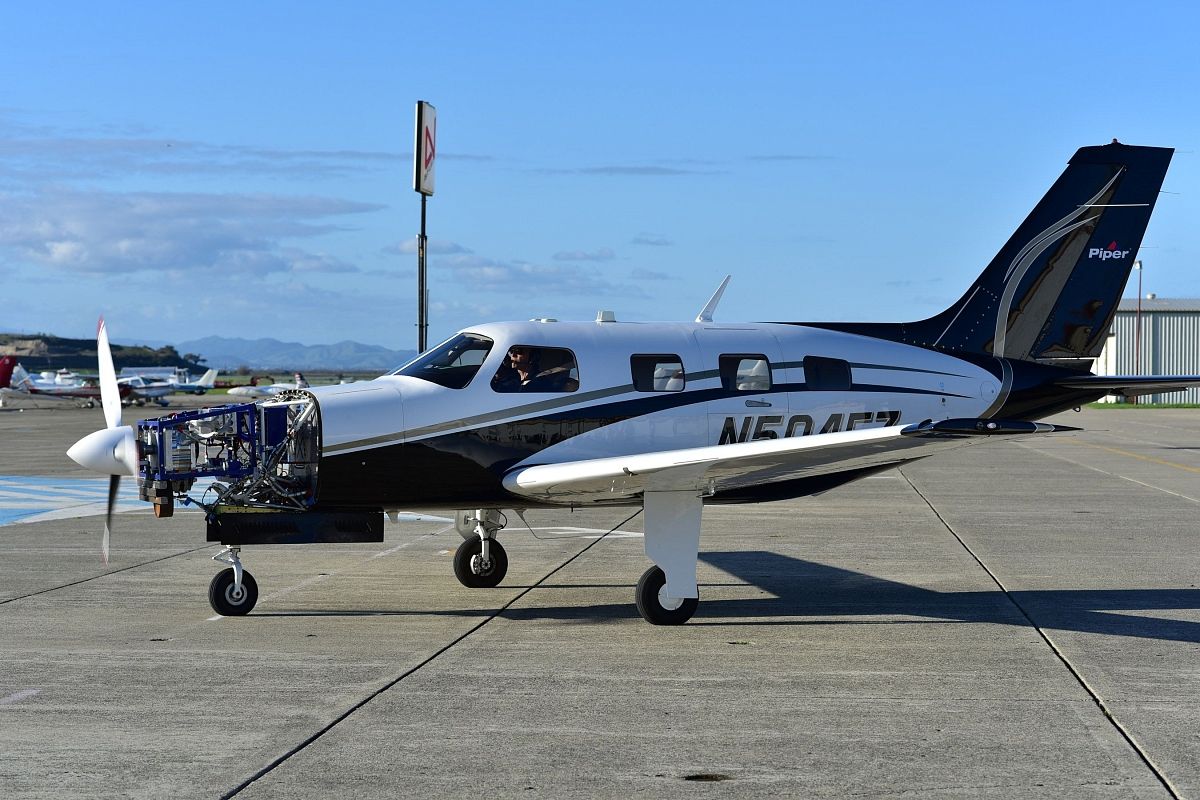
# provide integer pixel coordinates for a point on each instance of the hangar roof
(1179, 304)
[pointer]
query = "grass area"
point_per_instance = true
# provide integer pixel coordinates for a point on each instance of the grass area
(1142, 405)
(319, 378)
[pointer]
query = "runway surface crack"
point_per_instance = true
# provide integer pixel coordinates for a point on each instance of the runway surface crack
(1058, 652)
(103, 575)
(266, 770)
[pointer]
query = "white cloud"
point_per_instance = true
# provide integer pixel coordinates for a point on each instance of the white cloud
(98, 231)
(652, 240)
(640, 274)
(603, 254)
(50, 155)
(630, 170)
(408, 247)
(524, 279)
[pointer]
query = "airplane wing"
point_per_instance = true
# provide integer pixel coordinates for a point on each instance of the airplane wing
(714, 469)
(1131, 385)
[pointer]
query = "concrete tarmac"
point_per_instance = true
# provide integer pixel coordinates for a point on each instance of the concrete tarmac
(1019, 619)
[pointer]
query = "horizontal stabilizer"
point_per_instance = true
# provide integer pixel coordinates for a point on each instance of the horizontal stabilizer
(982, 427)
(1131, 385)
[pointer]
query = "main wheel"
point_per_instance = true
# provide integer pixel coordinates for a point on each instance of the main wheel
(470, 569)
(228, 602)
(654, 605)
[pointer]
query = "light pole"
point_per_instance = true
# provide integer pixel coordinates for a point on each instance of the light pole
(1137, 329)
(1137, 332)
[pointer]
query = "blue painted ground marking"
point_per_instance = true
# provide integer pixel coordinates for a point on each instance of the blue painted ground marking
(34, 498)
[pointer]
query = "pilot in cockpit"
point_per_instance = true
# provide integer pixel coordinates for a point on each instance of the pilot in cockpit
(536, 369)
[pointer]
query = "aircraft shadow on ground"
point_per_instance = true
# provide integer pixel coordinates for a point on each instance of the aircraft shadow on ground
(795, 588)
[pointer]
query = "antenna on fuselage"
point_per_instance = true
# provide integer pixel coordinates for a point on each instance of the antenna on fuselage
(706, 313)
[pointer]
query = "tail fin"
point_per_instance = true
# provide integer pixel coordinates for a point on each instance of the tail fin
(208, 379)
(7, 363)
(20, 379)
(1052, 290)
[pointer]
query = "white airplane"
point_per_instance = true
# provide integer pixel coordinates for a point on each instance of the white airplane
(668, 417)
(198, 387)
(17, 384)
(142, 389)
(270, 390)
(63, 377)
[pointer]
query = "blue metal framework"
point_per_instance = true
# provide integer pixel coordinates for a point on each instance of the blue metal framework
(234, 451)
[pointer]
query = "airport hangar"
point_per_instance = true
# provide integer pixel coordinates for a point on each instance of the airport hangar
(1168, 343)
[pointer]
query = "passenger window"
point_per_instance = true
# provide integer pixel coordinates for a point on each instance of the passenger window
(745, 373)
(826, 374)
(453, 363)
(537, 369)
(662, 373)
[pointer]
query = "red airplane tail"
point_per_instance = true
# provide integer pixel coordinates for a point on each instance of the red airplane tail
(7, 364)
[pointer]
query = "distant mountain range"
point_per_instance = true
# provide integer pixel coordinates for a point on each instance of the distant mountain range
(228, 354)
(42, 351)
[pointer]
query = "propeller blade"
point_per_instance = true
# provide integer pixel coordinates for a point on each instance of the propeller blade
(114, 485)
(110, 393)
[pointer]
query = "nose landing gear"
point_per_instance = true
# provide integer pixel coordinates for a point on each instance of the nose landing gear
(232, 592)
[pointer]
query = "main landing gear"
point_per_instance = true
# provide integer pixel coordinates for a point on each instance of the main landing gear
(667, 593)
(480, 561)
(656, 606)
(232, 592)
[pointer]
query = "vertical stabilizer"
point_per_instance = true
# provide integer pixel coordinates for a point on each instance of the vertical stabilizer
(1052, 290)
(7, 364)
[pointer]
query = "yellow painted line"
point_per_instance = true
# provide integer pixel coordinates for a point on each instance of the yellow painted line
(1135, 455)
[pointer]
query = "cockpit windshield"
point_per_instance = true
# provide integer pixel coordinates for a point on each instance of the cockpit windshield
(453, 363)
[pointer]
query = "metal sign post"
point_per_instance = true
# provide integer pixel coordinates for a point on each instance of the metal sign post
(423, 158)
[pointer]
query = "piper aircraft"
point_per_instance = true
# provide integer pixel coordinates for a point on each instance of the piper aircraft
(668, 417)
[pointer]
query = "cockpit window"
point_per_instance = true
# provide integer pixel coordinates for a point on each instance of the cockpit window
(537, 369)
(453, 363)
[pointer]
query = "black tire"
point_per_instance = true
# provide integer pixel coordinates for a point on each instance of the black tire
(650, 606)
(466, 563)
(224, 601)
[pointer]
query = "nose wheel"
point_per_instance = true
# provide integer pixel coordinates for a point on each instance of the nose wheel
(229, 600)
(233, 591)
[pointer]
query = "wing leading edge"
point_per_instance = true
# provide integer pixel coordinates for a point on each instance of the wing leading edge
(714, 469)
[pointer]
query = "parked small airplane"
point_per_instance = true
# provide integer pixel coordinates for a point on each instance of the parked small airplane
(63, 377)
(16, 382)
(198, 387)
(663, 416)
(254, 389)
(142, 390)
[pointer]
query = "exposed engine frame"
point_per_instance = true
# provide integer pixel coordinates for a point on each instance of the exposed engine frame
(262, 455)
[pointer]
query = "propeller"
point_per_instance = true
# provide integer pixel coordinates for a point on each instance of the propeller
(113, 450)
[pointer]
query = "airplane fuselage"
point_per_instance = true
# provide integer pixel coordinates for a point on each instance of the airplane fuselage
(402, 441)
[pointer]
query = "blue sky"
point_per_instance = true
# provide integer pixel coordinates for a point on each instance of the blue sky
(244, 169)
